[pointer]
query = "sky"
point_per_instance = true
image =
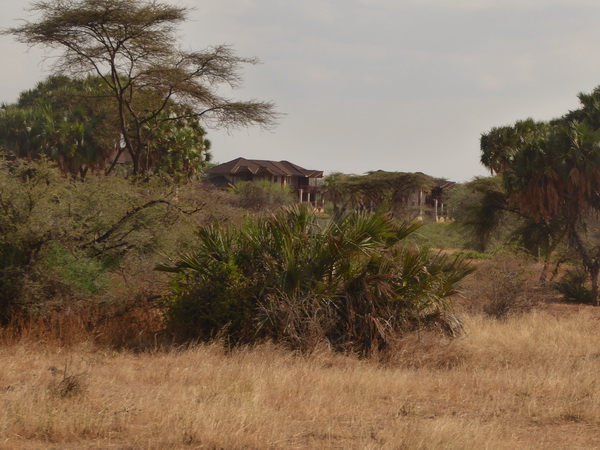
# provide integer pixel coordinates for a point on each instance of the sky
(363, 85)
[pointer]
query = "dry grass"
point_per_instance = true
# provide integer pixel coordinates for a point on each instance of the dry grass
(527, 382)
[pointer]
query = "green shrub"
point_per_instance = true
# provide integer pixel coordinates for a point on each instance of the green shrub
(209, 306)
(66, 240)
(472, 254)
(74, 271)
(294, 278)
(261, 195)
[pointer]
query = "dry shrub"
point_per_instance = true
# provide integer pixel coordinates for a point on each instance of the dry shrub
(62, 328)
(132, 325)
(135, 325)
(303, 320)
(65, 383)
(501, 287)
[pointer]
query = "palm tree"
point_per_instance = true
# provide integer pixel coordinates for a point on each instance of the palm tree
(53, 121)
(289, 275)
(552, 172)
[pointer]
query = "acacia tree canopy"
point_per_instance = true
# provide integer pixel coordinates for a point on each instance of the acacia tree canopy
(374, 189)
(132, 46)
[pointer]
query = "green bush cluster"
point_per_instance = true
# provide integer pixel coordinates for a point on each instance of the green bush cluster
(66, 240)
(260, 195)
(297, 279)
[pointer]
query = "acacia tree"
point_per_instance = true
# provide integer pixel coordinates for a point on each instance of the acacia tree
(371, 191)
(131, 46)
(552, 172)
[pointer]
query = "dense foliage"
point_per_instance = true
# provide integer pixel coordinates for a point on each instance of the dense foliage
(551, 172)
(394, 190)
(73, 122)
(63, 241)
(262, 195)
(298, 279)
(64, 119)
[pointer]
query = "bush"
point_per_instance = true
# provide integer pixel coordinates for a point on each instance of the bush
(261, 195)
(573, 287)
(73, 271)
(501, 287)
(27, 195)
(64, 240)
(293, 278)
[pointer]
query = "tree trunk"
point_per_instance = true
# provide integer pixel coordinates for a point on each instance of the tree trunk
(593, 271)
(549, 252)
(556, 269)
(590, 263)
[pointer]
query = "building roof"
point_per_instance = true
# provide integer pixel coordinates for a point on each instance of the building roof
(263, 167)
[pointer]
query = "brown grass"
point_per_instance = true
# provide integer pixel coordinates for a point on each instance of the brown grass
(530, 381)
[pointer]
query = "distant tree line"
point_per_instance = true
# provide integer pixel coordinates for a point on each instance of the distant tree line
(378, 189)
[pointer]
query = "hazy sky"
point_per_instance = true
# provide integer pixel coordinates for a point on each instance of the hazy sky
(399, 85)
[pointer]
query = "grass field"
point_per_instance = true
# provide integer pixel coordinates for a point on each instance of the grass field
(530, 381)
